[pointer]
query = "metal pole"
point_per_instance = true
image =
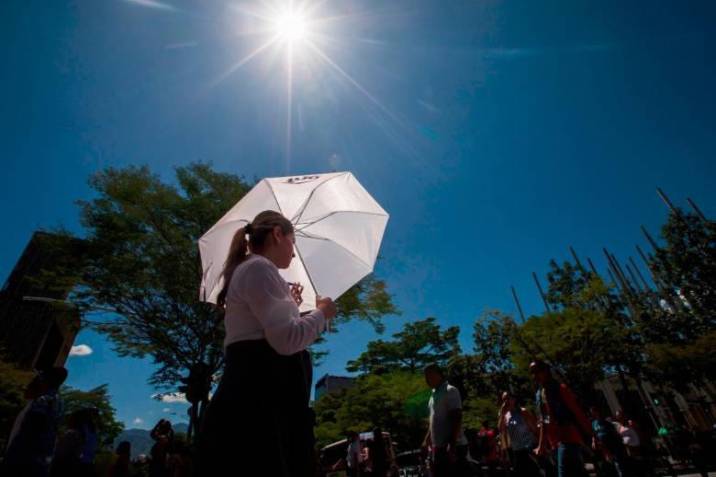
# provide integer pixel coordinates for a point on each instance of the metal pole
(659, 285)
(591, 265)
(649, 238)
(696, 209)
(541, 293)
(668, 203)
(636, 268)
(611, 277)
(622, 274)
(646, 262)
(517, 302)
(610, 261)
(576, 258)
(633, 277)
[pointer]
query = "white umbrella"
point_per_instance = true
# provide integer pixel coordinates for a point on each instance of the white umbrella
(338, 225)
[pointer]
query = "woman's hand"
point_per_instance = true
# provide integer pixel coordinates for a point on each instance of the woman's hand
(296, 290)
(327, 306)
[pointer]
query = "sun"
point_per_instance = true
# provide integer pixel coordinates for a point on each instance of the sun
(291, 26)
(297, 31)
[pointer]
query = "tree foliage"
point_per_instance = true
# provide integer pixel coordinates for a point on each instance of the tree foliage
(13, 381)
(396, 401)
(108, 427)
(418, 344)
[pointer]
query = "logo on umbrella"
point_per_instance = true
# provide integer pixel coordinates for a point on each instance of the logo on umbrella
(301, 180)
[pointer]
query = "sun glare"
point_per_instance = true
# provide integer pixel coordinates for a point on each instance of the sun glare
(291, 26)
(297, 31)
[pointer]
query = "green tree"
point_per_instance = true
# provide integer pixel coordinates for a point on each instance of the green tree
(685, 364)
(482, 376)
(108, 427)
(685, 267)
(418, 344)
(395, 401)
(143, 265)
(581, 343)
(13, 381)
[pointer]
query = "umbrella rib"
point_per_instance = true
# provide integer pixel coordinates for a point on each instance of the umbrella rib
(273, 193)
(318, 237)
(310, 196)
(308, 224)
(308, 274)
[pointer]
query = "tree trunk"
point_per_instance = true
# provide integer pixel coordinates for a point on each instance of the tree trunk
(192, 424)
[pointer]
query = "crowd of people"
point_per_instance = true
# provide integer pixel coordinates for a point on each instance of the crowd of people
(557, 440)
(259, 421)
(47, 441)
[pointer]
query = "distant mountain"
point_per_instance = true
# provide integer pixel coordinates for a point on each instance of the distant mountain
(141, 441)
(180, 428)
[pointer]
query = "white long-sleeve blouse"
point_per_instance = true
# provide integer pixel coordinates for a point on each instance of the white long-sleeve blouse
(259, 305)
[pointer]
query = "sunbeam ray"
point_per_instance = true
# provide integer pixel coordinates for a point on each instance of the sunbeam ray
(289, 104)
(243, 61)
(357, 85)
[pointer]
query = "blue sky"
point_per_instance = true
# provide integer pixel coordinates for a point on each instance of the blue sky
(497, 134)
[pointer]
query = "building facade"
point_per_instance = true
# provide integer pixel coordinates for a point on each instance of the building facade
(330, 384)
(37, 325)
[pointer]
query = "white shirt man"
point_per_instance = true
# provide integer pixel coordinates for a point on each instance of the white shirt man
(444, 402)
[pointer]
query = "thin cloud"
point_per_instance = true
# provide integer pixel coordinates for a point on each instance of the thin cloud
(177, 46)
(152, 4)
(429, 107)
(518, 53)
(170, 398)
(80, 350)
(138, 421)
(167, 409)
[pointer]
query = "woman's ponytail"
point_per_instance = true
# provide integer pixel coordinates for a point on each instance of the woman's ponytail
(258, 232)
(238, 252)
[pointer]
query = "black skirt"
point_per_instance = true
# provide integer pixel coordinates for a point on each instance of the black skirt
(259, 422)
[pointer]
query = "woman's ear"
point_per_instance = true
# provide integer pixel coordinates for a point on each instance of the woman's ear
(277, 235)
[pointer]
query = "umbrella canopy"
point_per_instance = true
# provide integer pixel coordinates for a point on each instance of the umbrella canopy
(338, 226)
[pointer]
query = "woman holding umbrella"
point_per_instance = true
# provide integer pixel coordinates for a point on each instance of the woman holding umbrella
(259, 421)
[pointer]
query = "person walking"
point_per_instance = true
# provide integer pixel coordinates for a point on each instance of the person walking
(31, 444)
(121, 465)
(487, 448)
(445, 437)
(354, 454)
(378, 458)
(163, 435)
(68, 449)
(563, 423)
(259, 421)
(607, 444)
(518, 433)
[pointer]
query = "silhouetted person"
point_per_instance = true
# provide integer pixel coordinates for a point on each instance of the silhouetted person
(445, 437)
(90, 440)
(121, 466)
(163, 436)
(518, 433)
(607, 443)
(68, 451)
(259, 421)
(563, 422)
(32, 440)
(487, 445)
(378, 454)
(354, 454)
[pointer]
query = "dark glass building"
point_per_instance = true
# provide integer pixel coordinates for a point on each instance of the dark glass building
(37, 325)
